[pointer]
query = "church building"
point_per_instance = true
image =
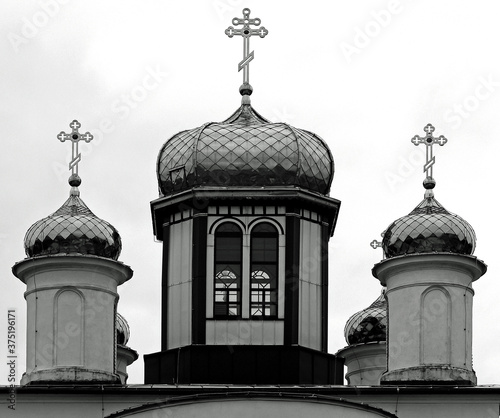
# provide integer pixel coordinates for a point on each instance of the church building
(245, 213)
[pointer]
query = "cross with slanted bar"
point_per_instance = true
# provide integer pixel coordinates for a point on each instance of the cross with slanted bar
(246, 32)
(429, 141)
(75, 137)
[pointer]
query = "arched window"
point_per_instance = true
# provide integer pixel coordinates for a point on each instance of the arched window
(227, 274)
(264, 271)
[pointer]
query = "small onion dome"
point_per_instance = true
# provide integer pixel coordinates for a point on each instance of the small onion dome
(122, 330)
(429, 228)
(245, 150)
(73, 229)
(368, 325)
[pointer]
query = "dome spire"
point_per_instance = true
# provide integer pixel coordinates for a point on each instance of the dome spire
(246, 32)
(75, 137)
(429, 141)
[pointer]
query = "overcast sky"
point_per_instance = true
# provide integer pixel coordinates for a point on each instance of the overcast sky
(366, 76)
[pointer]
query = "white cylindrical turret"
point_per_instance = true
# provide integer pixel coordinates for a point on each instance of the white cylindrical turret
(71, 303)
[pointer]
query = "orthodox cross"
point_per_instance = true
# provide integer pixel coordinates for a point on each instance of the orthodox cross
(246, 32)
(429, 141)
(75, 137)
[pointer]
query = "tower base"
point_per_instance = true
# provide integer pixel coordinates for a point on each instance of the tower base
(244, 364)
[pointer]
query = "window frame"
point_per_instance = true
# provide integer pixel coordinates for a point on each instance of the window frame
(239, 286)
(246, 223)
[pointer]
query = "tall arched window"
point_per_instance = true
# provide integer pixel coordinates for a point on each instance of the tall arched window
(264, 271)
(227, 274)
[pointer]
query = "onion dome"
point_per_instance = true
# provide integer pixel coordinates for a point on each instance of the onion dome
(245, 150)
(368, 325)
(122, 330)
(429, 228)
(73, 229)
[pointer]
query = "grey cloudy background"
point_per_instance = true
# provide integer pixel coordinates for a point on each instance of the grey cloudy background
(366, 76)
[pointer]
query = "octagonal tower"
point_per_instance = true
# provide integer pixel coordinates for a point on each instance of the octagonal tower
(245, 218)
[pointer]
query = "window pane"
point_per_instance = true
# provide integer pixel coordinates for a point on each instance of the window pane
(264, 249)
(264, 227)
(230, 227)
(228, 249)
(264, 271)
(227, 272)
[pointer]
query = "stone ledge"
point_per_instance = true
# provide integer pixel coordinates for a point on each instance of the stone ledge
(69, 375)
(430, 375)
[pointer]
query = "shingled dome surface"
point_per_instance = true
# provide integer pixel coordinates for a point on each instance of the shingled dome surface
(429, 228)
(245, 150)
(368, 325)
(73, 229)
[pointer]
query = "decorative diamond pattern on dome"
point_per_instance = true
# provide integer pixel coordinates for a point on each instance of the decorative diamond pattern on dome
(176, 161)
(122, 330)
(73, 228)
(429, 228)
(314, 165)
(245, 150)
(247, 156)
(368, 325)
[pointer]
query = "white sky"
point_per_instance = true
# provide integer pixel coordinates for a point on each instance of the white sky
(327, 66)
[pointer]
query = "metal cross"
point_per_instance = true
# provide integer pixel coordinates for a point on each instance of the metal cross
(375, 244)
(246, 32)
(75, 137)
(429, 141)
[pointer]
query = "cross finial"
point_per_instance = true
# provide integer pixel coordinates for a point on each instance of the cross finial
(429, 140)
(76, 156)
(375, 244)
(246, 32)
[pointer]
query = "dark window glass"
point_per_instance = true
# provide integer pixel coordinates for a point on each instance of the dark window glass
(227, 275)
(264, 271)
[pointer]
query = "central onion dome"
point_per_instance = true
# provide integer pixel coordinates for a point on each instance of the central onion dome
(246, 150)
(368, 325)
(73, 229)
(429, 228)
